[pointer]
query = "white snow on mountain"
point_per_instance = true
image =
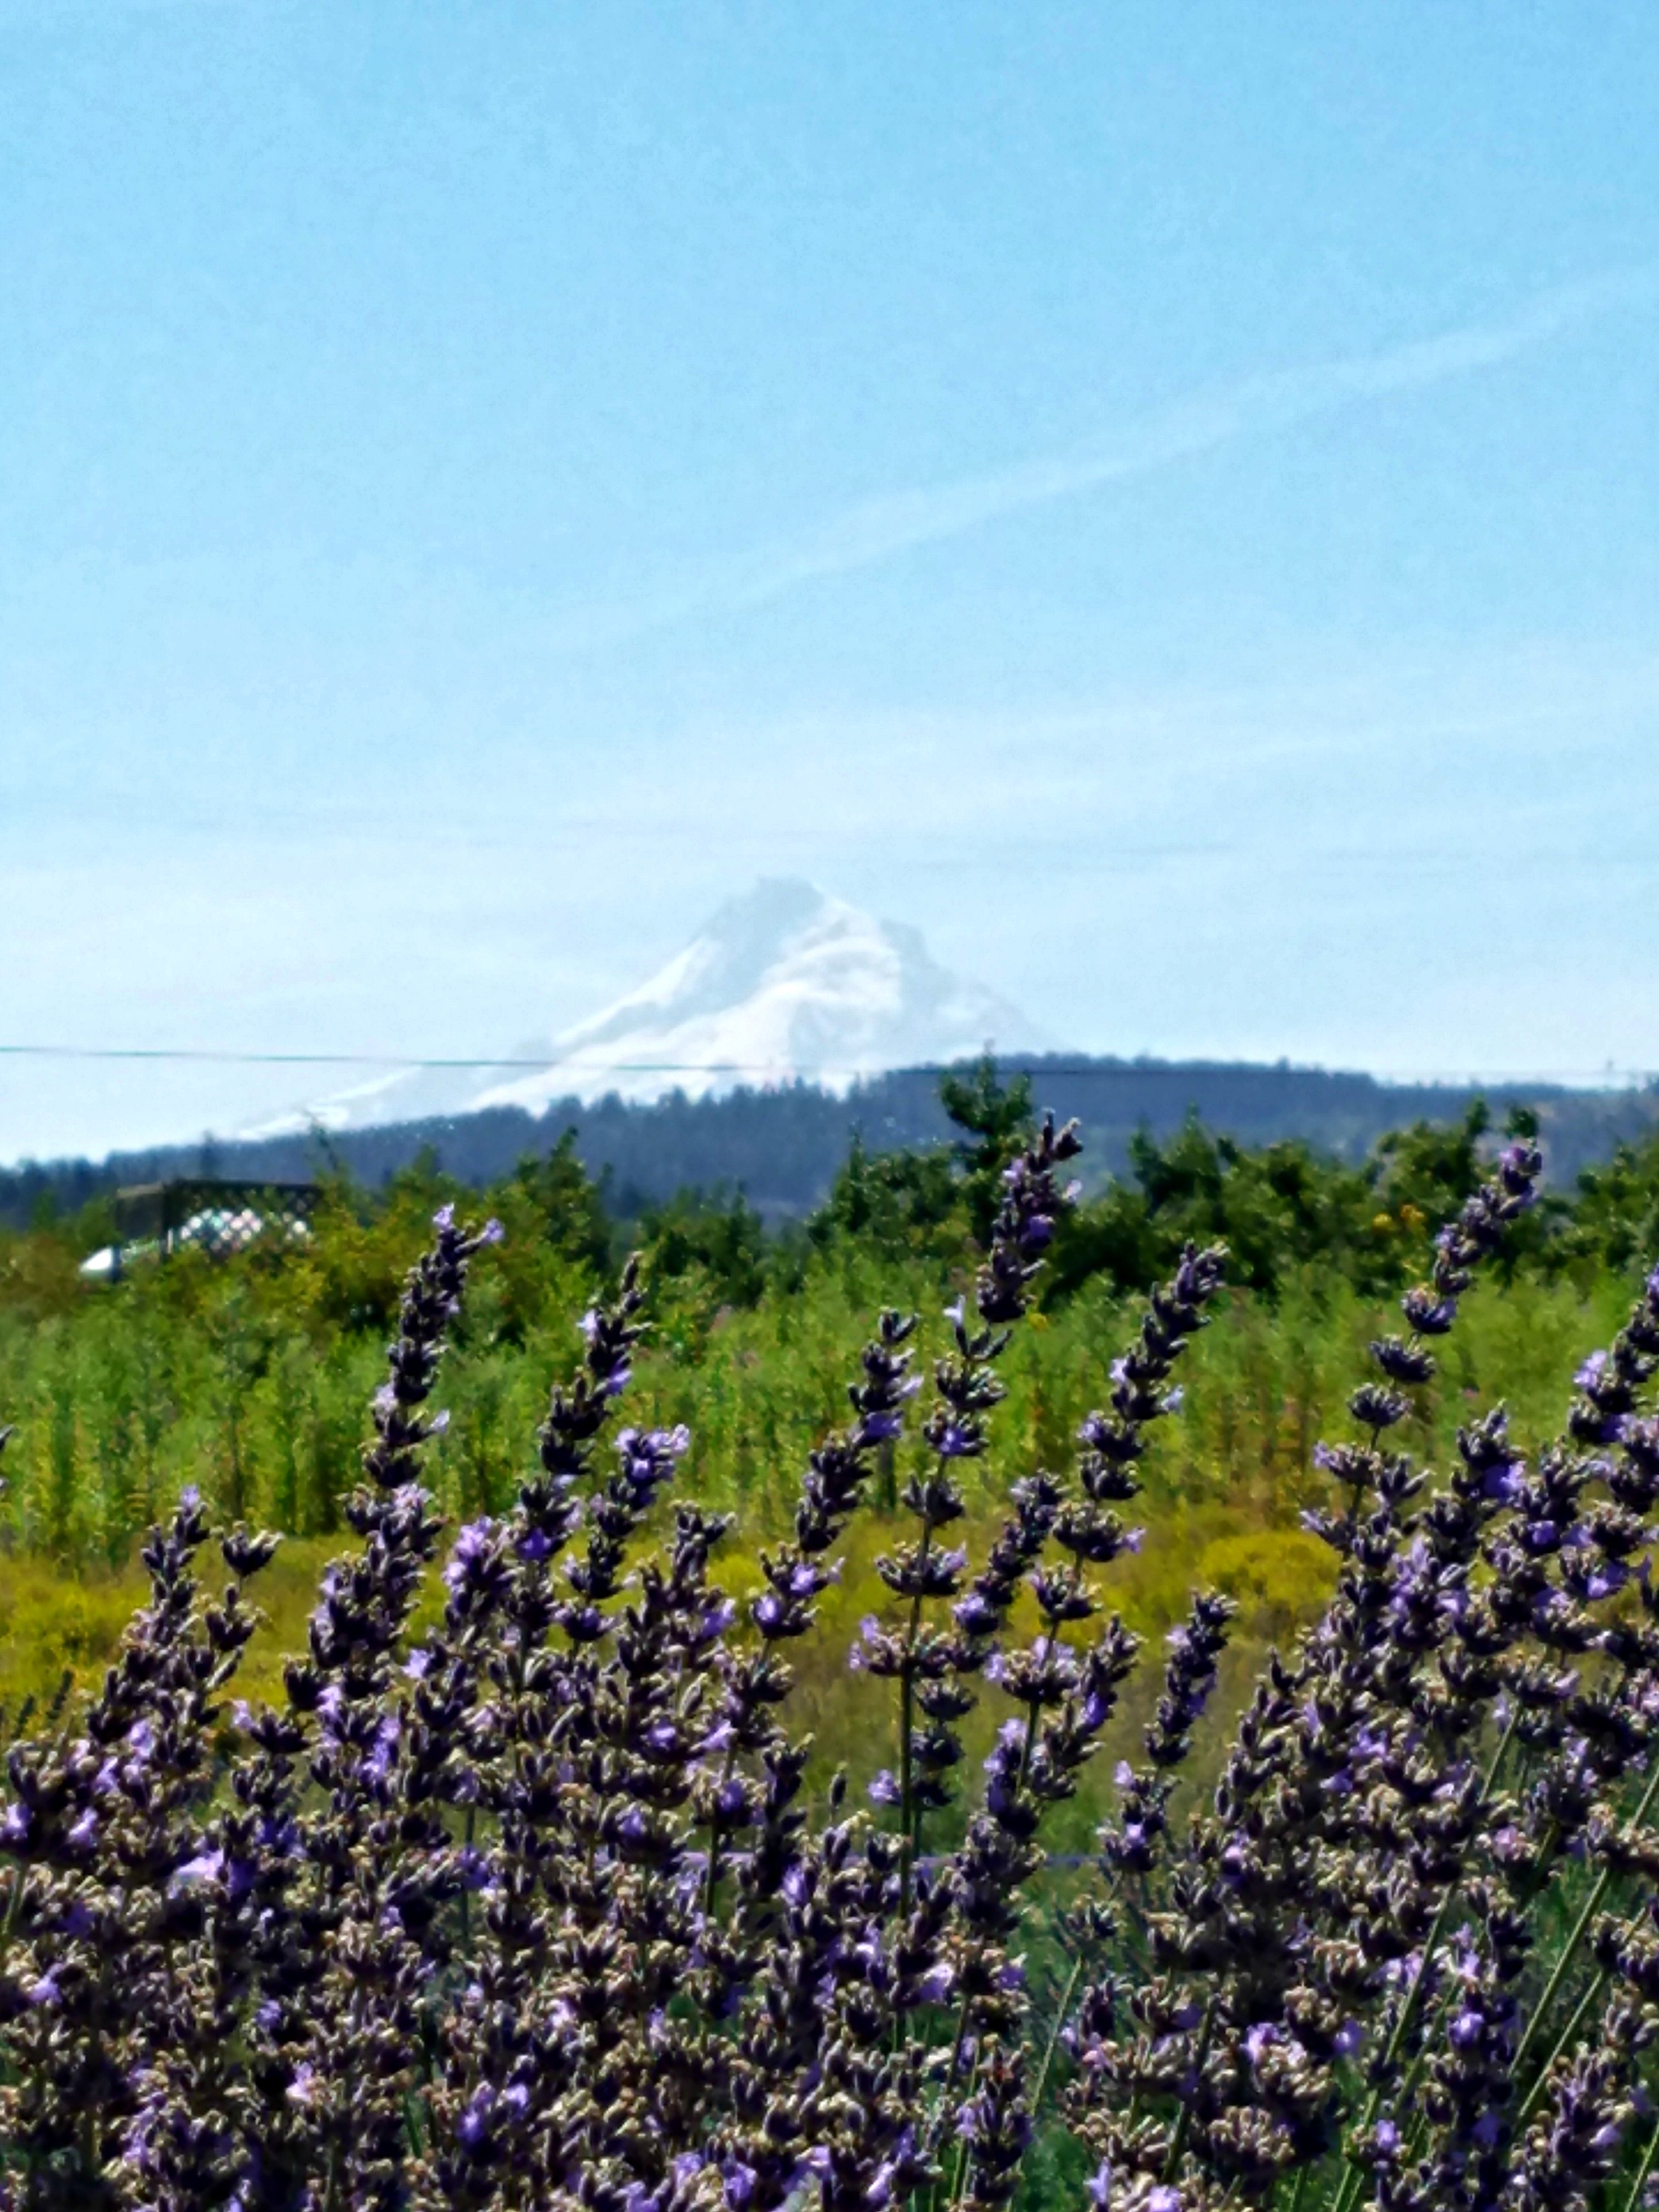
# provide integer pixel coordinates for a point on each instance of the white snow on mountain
(784, 982)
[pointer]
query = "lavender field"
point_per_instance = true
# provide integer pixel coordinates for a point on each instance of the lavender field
(828, 1129)
(520, 1878)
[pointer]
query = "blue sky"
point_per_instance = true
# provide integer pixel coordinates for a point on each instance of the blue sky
(1164, 500)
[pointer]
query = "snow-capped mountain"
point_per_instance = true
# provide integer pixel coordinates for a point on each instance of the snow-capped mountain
(785, 982)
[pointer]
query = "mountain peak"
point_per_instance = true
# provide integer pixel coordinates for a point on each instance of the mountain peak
(730, 956)
(783, 982)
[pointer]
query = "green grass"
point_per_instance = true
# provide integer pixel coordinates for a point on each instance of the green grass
(252, 1379)
(122, 1402)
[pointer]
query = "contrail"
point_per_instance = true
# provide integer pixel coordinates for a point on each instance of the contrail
(881, 528)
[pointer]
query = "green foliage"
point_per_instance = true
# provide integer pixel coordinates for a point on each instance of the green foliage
(1280, 1210)
(1615, 1221)
(708, 1254)
(1284, 1209)
(250, 1378)
(905, 1205)
(996, 1119)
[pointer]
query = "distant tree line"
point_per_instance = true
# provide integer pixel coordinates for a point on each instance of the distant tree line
(782, 1149)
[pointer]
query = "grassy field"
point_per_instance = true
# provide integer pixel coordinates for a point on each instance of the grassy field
(124, 1398)
(251, 1378)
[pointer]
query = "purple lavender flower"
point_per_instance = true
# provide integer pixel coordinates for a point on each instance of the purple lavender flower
(207, 1867)
(473, 1562)
(649, 1458)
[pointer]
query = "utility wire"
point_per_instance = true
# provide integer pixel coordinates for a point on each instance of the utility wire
(1122, 1070)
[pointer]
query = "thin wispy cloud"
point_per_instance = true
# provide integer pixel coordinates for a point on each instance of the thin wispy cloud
(884, 527)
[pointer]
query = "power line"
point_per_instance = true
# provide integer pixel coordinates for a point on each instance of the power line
(1037, 1065)
(392, 1059)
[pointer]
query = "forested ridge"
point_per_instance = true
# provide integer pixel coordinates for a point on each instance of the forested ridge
(782, 1148)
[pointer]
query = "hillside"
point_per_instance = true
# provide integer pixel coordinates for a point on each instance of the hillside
(781, 1146)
